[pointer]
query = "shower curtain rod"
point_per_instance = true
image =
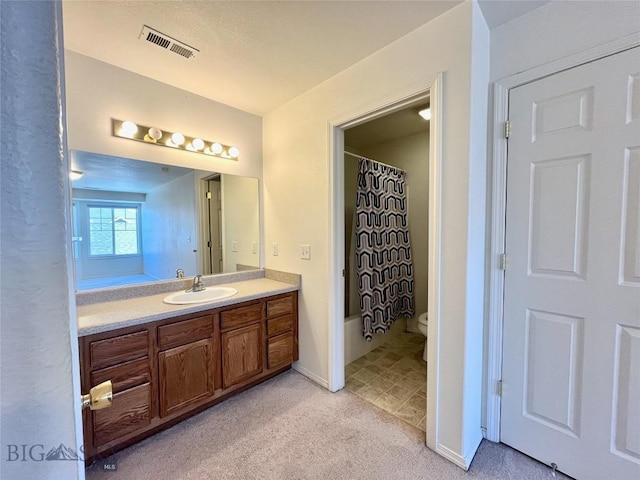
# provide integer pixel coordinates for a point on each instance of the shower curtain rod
(374, 161)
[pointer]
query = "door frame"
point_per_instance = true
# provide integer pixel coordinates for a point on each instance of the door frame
(497, 225)
(431, 87)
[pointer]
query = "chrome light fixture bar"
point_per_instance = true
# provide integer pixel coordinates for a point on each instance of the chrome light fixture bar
(164, 138)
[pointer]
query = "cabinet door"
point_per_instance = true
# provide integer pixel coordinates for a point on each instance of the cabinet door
(241, 354)
(186, 375)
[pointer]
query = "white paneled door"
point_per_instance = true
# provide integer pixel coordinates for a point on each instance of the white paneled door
(571, 354)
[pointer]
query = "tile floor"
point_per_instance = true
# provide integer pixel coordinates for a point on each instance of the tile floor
(393, 377)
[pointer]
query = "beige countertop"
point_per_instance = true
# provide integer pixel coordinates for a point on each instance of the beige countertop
(110, 315)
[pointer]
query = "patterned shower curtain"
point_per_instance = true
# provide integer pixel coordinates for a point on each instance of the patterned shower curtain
(383, 252)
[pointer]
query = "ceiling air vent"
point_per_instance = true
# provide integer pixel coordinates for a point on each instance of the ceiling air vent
(165, 41)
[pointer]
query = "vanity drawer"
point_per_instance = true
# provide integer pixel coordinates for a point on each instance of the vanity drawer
(280, 351)
(187, 331)
(124, 376)
(279, 325)
(241, 316)
(130, 410)
(280, 306)
(124, 348)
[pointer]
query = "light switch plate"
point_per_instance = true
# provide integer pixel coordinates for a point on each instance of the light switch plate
(234, 246)
(305, 252)
(254, 247)
(274, 249)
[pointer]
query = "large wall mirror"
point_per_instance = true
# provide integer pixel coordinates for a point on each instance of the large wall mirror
(136, 221)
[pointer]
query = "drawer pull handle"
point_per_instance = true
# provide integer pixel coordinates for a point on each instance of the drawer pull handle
(99, 397)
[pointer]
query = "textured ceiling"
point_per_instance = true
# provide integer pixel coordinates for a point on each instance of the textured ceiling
(103, 172)
(254, 55)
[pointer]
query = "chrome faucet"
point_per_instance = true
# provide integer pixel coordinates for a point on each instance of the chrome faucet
(198, 284)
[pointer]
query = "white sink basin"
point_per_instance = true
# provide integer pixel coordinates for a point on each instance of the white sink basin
(210, 294)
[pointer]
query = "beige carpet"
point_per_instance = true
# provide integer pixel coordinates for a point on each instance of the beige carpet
(291, 428)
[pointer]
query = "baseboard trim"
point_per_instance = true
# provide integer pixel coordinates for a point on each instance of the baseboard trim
(475, 444)
(311, 376)
(452, 456)
(456, 458)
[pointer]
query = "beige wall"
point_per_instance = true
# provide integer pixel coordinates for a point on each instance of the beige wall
(297, 199)
(97, 92)
(240, 221)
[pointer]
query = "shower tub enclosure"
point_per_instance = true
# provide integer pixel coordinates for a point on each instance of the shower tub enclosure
(355, 345)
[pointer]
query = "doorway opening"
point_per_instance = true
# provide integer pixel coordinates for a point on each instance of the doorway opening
(390, 371)
(429, 92)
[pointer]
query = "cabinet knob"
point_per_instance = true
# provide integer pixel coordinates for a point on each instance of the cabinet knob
(99, 397)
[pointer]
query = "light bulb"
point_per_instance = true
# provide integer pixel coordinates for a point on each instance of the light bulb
(216, 148)
(197, 143)
(75, 174)
(155, 133)
(425, 113)
(128, 129)
(177, 138)
(234, 152)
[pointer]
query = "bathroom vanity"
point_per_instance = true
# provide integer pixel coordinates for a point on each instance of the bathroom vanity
(171, 362)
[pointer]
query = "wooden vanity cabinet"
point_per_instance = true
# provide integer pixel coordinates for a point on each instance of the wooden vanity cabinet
(165, 371)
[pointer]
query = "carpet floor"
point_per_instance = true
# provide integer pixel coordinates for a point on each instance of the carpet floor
(290, 428)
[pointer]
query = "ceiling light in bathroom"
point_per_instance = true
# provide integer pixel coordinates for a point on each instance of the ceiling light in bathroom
(425, 113)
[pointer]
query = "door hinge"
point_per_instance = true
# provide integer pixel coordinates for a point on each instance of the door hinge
(343, 273)
(208, 244)
(507, 129)
(502, 262)
(499, 388)
(208, 195)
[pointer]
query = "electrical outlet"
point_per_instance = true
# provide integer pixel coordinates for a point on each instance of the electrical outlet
(254, 247)
(305, 252)
(234, 246)
(274, 249)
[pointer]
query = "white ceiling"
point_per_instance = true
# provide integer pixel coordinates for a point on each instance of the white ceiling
(395, 125)
(253, 55)
(115, 174)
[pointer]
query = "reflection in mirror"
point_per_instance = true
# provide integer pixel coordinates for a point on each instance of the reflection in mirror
(136, 221)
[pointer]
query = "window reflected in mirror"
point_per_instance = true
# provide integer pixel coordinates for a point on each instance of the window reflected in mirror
(136, 221)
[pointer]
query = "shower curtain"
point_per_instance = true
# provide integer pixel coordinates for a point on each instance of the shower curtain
(383, 252)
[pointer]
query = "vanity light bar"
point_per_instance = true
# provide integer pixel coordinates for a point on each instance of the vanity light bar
(164, 138)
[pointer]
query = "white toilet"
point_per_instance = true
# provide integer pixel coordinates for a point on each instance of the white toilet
(423, 322)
